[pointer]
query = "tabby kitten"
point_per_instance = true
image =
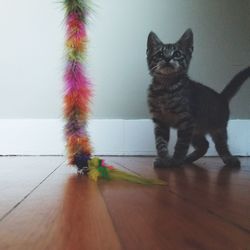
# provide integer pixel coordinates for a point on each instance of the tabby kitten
(193, 109)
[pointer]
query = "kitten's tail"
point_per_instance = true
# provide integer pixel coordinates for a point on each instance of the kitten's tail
(234, 85)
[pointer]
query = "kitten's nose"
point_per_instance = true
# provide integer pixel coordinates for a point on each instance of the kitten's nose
(167, 59)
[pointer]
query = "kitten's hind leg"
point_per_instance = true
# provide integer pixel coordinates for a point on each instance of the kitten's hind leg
(219, 137)
(200, 145)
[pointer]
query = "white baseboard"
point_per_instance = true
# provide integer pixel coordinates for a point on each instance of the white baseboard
(109, 137)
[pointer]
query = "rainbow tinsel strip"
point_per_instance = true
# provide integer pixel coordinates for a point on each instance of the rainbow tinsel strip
(77, 86)
(76, 102)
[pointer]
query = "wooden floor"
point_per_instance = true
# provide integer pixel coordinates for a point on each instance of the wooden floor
(45, 205)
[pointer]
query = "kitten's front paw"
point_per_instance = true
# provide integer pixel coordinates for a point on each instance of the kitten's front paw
(167, 162)
(232, 162)
(161, 162)
(176, 162)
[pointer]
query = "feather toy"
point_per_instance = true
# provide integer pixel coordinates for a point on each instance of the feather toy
(78, 93)
(99, 169)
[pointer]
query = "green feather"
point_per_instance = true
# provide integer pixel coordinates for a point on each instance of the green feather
(75, 56)
(120, 175)
(80, 6)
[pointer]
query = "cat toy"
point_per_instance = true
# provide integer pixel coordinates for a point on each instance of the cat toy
(78, 93)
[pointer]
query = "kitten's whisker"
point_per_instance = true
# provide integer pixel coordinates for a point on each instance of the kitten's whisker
(153, 68)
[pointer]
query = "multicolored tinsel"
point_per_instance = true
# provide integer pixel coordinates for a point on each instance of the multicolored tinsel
(77, 89)
(76, 102)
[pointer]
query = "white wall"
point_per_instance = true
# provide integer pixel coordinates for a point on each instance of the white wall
(108, 137)
(118, 42)
(31, 58)
(31, 52)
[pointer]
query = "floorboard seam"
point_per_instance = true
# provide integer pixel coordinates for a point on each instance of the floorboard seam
(129, 170)
(110, 216)
(246, 230)
(27, 195)
(108, 210)
(212, 213)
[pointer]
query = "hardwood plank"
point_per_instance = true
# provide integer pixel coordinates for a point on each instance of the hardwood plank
(20, 175)
(201, 208)
(188, 214)
(226, 190)
(65, 212)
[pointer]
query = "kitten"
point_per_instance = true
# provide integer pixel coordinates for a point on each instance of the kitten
(193, 109)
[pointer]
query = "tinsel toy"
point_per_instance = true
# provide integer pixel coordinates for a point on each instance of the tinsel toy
(78, 93)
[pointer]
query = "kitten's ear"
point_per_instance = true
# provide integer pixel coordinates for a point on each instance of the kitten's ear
(187, 40)
(153, 41)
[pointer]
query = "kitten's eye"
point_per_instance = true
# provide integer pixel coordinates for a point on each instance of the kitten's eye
(177, 54)
(160, 53)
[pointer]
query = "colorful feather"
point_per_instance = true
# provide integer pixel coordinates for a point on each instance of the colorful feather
(77, 86)
(78, 93)
(99, 169)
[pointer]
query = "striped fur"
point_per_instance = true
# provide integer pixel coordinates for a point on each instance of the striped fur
(176, 101)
